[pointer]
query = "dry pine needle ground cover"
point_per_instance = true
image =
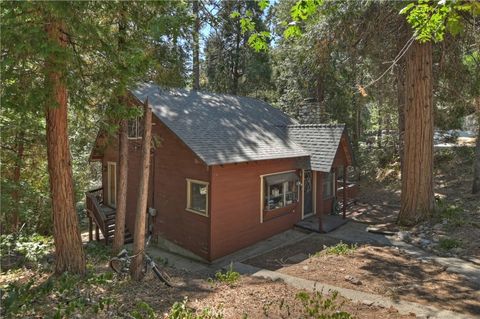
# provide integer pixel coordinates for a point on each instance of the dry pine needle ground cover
(246, 298)
(385, 271)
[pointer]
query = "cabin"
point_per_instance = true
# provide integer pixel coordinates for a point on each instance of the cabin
(226, 172)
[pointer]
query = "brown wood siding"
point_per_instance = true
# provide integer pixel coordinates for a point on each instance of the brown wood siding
(342, 157)
(172, 163)
(236, 206)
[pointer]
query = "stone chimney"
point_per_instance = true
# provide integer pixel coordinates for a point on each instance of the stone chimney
(312, 112)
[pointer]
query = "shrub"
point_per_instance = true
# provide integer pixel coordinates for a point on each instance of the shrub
(143, 311)
(449, 243)
(316, 305)
(341, 249)
(229, 277)
(30, 248)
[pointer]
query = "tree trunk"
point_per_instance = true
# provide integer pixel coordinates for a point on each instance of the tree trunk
(68, 243)
(380, 121)
(196, 45)
(417, 199)
(15, 221)
(141, 213)
(401, 95)
(119, 237)
(476, 167)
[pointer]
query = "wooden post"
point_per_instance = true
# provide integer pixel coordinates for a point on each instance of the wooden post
(90, 227)
(344, 191)
(319, 209)
(97, 233)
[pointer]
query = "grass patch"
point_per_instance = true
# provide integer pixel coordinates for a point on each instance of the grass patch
(450, 212)
(449, 243)
(341, 249)
(229, 277)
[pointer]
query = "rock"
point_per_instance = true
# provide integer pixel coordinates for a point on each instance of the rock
(403, 235)
(342, 269)
(425, 242)
(297, 258)
(305, 267)
(367, 302)
(438, 226)
(445, 221)
(353, 280)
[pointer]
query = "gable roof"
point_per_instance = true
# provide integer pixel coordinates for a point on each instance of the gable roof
(320, 140)
(220, 128)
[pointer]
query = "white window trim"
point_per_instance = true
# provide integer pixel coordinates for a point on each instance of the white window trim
(109, 199)
(314, 194)
(262, 191)
(137, 125)
(332, 195)
(191, 210)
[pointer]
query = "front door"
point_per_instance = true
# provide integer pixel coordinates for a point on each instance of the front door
(307, 192)
(112, 184)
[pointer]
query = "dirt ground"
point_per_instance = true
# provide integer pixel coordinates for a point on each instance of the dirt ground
(379, 270)
(247, 298)
(456, 221)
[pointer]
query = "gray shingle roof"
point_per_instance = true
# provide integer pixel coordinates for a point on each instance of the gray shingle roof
(222, 129)
(320, 140)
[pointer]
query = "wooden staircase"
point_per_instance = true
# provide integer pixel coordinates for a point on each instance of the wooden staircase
(102, 217)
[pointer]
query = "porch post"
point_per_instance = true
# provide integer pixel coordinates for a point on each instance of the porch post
(97, 233)
(90, 227)
(344, 191)
(319, 210)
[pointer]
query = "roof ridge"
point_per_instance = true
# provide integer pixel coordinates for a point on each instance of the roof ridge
(318, 125)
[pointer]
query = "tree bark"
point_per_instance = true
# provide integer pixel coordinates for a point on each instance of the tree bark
(417, 198)
(119, 237)
(15, 219)
(401, 96)
(121, 212)
(476, 165)
(68, 243)
(141, 213)
(196, 45)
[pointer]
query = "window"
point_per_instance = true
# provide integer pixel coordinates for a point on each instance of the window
(135, 128)
(328, 185)
(280, 190)
(197, 197)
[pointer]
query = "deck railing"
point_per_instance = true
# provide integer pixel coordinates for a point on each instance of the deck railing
(94, 199)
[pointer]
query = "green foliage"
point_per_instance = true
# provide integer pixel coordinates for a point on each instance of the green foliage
(68, 294)
(143, 311)
(180, 310)
(229, 276)
(449, 243)
(341, 249)
(431, 21)
(33, 248)
(231, 64)
(98, 251)
(316, 305)
(451, 213)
